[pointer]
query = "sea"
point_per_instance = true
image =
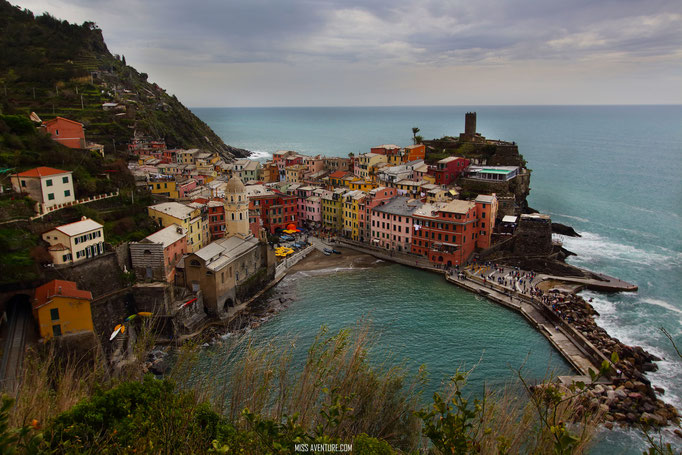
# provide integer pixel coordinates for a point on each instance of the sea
(614, 173)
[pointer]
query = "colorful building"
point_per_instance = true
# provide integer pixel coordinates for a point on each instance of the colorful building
(448, 169)
(375, 197)
(188, 218)
(391, 225)
(74, 242)
(155, 256)
(60, 308)
(67, 132)
(163, 186)
(47, 186)
(414, 152)
(445, 232)
(295, 173)
(351, 214)
(366, 163)
(486, 211)
(332, 209)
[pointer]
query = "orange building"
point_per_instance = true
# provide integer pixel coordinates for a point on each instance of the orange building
(414, 152)
(486, 212)
(66, 132)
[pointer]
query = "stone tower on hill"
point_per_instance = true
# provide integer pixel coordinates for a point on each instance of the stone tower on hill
(470, 134)
(236, 209)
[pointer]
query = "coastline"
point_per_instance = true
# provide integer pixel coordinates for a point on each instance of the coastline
(625, 400)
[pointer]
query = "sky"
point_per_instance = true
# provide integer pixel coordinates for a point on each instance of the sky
(394, 52)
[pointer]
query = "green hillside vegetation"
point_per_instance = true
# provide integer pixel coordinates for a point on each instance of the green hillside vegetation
(55, 68)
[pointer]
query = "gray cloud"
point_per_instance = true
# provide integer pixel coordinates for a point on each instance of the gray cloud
(327, 36)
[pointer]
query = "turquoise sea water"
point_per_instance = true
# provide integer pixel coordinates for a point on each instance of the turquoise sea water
(612, 172)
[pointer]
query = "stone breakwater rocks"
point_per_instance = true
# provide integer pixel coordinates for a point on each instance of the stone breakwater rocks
(630, 399)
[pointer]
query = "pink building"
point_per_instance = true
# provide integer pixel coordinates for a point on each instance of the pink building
(392, 223)
(313, 164)
(155, 256)
(185, 187)
(374, 198)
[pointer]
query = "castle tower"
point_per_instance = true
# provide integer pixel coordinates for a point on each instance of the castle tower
(236, 208)
(470, 134)
(470, 124)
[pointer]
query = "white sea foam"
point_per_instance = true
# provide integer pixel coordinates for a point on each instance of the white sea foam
(570, 217)
(592, 247)
(663, 304)
(260, 155)
(640, 334)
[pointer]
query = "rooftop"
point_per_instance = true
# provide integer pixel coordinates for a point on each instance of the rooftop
(42, 171)
(166, 236)
(493, 169)
(47, 291)
(485, 198)
(174, 209)
(79, 227)
(221, 252)
(400, 205)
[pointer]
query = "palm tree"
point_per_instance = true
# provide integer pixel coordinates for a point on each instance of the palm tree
(415, 130)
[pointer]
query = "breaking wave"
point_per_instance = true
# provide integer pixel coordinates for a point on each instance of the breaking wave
(260, 155)
(592, 247)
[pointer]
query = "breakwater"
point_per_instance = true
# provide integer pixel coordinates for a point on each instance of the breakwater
(625, 396)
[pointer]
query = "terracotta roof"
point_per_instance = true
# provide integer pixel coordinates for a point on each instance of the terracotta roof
(63, 288)
(62, 118)
(41, 171)
(338, 174)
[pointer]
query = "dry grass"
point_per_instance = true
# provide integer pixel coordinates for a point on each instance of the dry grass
(337, 392)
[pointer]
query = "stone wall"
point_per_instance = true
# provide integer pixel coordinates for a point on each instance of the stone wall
(99, 275)
(533, 237)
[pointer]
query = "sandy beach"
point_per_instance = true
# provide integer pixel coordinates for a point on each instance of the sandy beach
(347, 259)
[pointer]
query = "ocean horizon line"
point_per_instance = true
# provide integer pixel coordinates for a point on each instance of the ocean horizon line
(436, 105)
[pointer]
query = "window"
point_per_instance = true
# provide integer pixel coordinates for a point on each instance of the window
(48, 182)
(65, 180)
(57, 330)
(23, 183)
(54, 314)
(50, 197)
(67, 193)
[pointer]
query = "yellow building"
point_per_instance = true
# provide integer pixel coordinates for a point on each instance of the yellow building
(332, 209)
(354, 183)
(351, 213)
(366, 163)
(164, 187)
(295, 173)
(61, 309)
(189, 218)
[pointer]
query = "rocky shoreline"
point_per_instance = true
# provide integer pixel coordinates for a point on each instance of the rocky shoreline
(630, 399)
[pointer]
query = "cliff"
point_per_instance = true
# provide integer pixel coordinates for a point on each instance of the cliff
(55, 68)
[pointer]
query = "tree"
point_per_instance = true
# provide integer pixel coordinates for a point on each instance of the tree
(415, 130)
(123, 59)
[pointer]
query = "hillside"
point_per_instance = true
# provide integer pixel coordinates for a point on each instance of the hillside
(55, 68)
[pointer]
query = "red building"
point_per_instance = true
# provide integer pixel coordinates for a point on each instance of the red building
(445, 232)
(146, 147)
(281, 213)
(216, 218)
(66, 132)
(448, 169)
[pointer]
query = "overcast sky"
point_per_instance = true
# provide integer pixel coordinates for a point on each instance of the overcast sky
(395, 52)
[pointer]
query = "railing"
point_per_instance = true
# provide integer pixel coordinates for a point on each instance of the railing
(43, 210)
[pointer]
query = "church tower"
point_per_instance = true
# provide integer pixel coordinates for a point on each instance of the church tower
(236, 209)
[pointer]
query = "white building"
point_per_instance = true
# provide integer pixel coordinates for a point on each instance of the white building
(74, 242)
(45, 185)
